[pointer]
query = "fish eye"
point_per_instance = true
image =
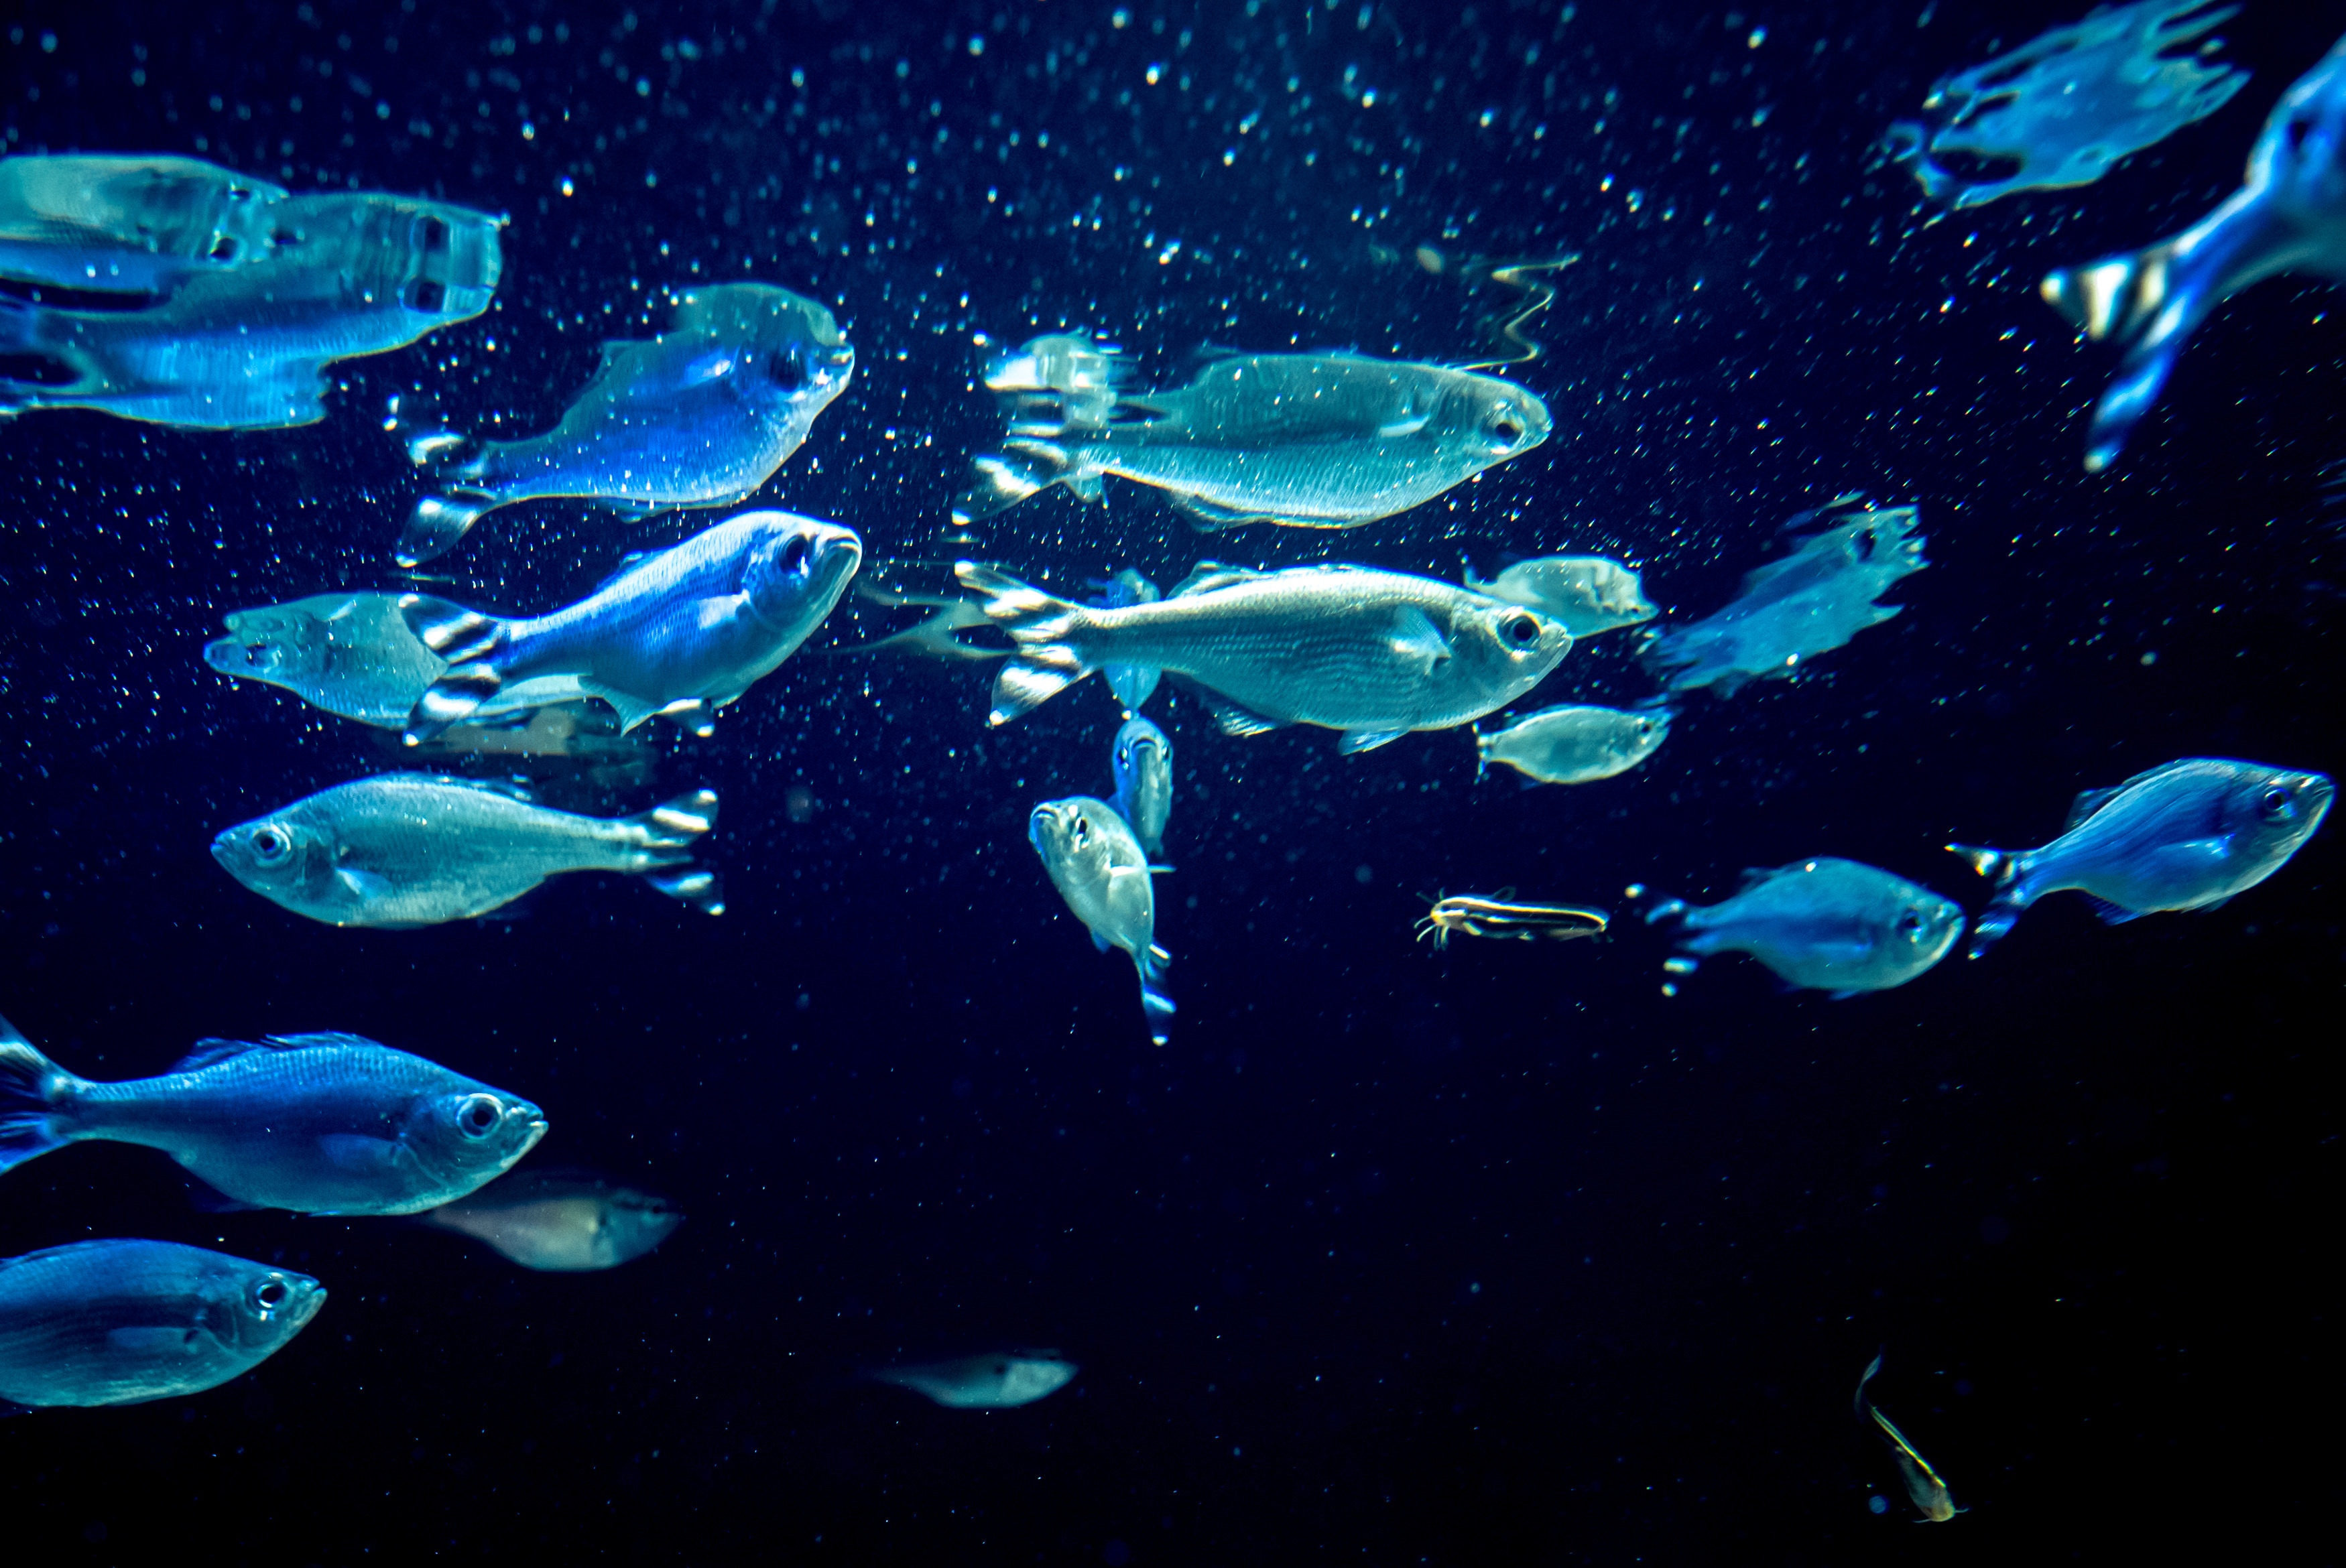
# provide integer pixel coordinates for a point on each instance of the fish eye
(1506, 430)
(479, 1114)
(1082, 830)
(1909, 924)
(1521, 630)
(425, 295)
(2277, 804)
(224, 248)
(796, 554)
(269, 1293)
(271, 843)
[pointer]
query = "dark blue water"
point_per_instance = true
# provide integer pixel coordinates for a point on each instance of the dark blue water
(1496, 1255)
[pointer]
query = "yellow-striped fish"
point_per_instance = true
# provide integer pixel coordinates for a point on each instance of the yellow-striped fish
(1500, 915)
(1929, 1492)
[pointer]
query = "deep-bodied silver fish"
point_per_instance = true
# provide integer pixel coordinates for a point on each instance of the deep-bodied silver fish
(320, 1124)
(1372, 654)
(140, 225)
(1142, 763)
(2187, 835)
(680, 633)
(1310, 441)
(1834, 925)
(1100, 869)
(996, 1382)
(123, 1321)
(1576, 744)
(702, 415)
(405, 849)
(352, 655)
(1588, 593)
(561, 1222)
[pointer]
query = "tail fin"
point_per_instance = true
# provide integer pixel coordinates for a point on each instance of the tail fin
(416, 421)
(663, 839)
(33, 1089)
(1669, 909)
(2013, 895)
(436, 526)
(1042, 663)
(1022, 468)
(1155, 1005)
(471, 642)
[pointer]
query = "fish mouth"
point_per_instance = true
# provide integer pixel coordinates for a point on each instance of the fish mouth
(221, 849)
(303, 1306)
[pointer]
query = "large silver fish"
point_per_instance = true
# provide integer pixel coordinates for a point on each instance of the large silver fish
(561, 1222)
(141, 225)
(1310, 441)
(1372, 654)
(320, 1124)
(1834, 925)
(1575, 744)
(702, 415)
(997, 1382)
(122, 1321)
(1100, 869)
(405, 849)
(1588, 593)
(681, 633)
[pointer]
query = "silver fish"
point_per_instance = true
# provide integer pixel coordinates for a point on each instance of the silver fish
(561, 1222)
(997, 1382)
(1101, 871)
(1372, 654)
(1588, 593)
(1833, 925)
(1310, 441)
(1142, 762)
(141, 225)
(1065, 375)
(320, 1124)
(1810, 601)
(1928, 1492)
(123, 1321)
(1133, 683)
(680, 633)
(1573, 744)
(702, 415)
(405, 849)
(2187, 835)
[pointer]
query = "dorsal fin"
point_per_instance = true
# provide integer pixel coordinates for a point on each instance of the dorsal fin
(1212, 575)
(2089, 801)
(211, 1052)
(312, 1042)
(488, 786)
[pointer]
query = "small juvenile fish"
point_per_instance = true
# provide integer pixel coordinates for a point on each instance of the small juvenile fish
(1101, 871)
(1143, 765)
(998, 1382)
(1588, 593)
(123, 1321)
(702, 415)
(1573, 744)
(561, 1222)
(1832, 926)
(1133, 683)
(141, 225)
(681, 633)
(319, 1124)
(1929, 1494)
(405, 849)
(1504, 916)
(2187, 835)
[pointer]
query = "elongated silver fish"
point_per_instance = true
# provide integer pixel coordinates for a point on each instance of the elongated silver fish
(2186, 835)
(561, 1222)
(1929, 1495)
(1834, 925)
(1504, 917)
(1142, 762)
(681, 633)
(1310, 441)
(1372, 654)
(123, 1321)
(1588, 593)
(1576, 744)
(321, 1123)
(140, 225)
(1100, 869)
(405, 849)
(702, 415)
(995, 1382)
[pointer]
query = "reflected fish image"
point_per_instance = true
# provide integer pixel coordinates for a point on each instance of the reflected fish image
(2187, 835)
(1142, 762)
(140, 225)
(1307, 440)
(1824, 924)
(1587, 594)
(124, 1321)
(1101, 871)
(352, 655)
(1372, 654)
(702, 415)
(1067, 379)
(996, 1382)
(319, 1124)
(1929, 1494)
(400, 850)
(2288, 217)
(2066, 105)
(247, 348)
(680, 633)
(561, 1222)
(1574, 744)
(1133, 683)
(1502, 915)
(1810, 601)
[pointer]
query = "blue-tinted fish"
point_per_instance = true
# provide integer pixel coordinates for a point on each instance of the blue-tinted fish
(122, 1321)
(2184, 836)
(1833, 925)
(1132, 683)
(1060, 380)
(561, 1222)
(1101, 871)
(681, 633)
(702, 415)
(140, 225)
(1143, 765)
(321, 1123)
(997, 1382)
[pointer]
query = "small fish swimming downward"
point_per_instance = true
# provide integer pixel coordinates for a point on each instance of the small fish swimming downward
(1833, 925)
(1099, 868)
(1929, 1494)
(1143, 765)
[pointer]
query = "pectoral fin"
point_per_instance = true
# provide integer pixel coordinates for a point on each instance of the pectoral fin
(358, 1154)
(1416, 639)
(2113, 914)
(1400, 427)
(368, 885)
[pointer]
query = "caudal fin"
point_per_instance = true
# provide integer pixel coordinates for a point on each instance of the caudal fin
(436, 526)
(34, 1091)
(472, 643)
(1042, 663)
(432, 528)
(1020, 470)
(2013, 895)
(1155, 1005)
(663, 839)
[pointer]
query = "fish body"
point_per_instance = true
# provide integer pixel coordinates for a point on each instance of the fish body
(561, 1224)
(1100, 869)
(123, 1321)
(140, 225)
(1372, 654)
(246, 348)
(1923, 1488)
(405, 849)
(1133, 683)
(1505, 916)
(997, 1382)
(702, 415)
(1066, 375)
(1588, 594)
(1574, 744)
(2289, 216)
(1143, 765)
(1827, 924)
(320, 1124)
(682, 633)
(1812, 601)
(1310, 440)
(2187, 835)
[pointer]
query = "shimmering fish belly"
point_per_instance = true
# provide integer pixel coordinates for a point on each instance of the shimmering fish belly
(1338, 485)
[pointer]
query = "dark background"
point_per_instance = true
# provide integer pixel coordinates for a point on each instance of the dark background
(1496, 1255)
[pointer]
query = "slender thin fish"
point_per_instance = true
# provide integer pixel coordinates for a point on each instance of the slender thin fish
(1504, 916)
(1929, 1492)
